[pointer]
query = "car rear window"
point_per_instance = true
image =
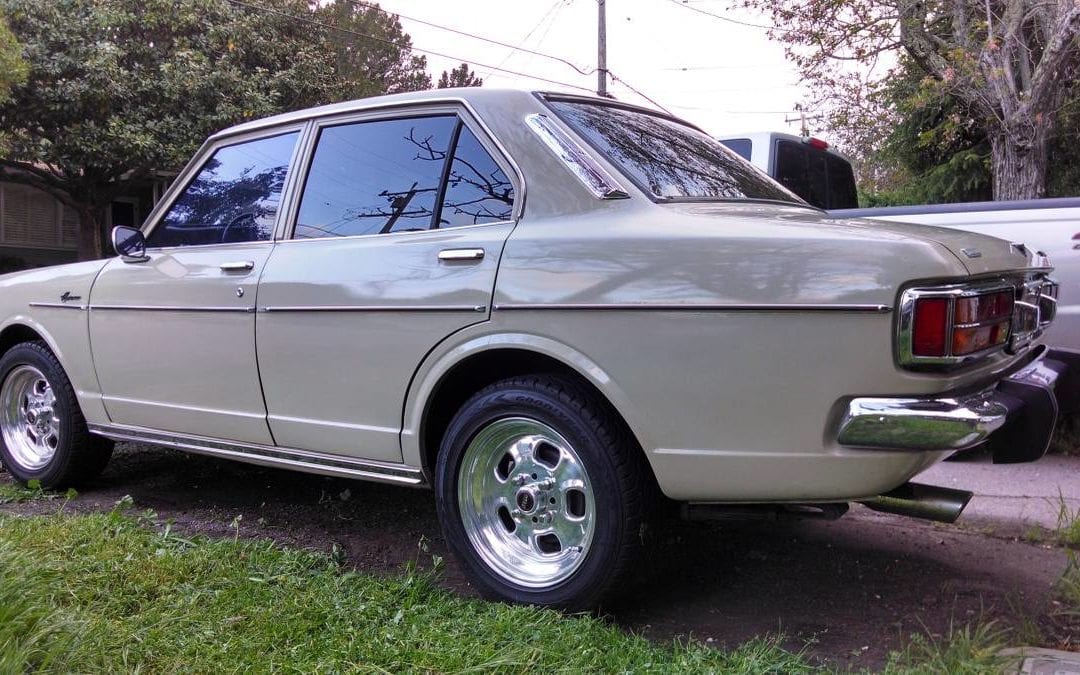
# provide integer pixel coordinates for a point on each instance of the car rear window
(667, 158)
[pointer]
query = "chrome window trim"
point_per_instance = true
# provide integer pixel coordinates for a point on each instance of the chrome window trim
(393, 234)
(202, 155)
(692, 307)
(459, 107)
(303, 460)
(587, 170)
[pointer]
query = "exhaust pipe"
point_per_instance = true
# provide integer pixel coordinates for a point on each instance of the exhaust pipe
(929, 502)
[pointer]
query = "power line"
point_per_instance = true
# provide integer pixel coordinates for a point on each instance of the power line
(270, 10)
(554, 5)
(725, 18)
(626, 84)
(361, 3)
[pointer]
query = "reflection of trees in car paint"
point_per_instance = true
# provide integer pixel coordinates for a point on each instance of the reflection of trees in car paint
(234, 197)
(667, 158)
(394, 169)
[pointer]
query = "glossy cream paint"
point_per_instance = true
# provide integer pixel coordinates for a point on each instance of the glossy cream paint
(729, 336)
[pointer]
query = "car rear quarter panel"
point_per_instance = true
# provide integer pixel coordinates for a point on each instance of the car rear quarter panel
(753, 391)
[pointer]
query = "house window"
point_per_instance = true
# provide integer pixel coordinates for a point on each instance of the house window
(34, 219)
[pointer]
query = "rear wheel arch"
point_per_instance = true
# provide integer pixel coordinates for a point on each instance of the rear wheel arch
(479, 368)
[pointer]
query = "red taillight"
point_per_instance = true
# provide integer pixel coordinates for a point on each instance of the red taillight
(930, 327)
(952, 326)
(817, 143)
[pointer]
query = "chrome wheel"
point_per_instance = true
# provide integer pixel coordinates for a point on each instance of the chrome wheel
(526, 502)
(30, 423)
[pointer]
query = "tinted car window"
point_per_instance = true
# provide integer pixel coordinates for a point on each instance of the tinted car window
(802, 171)
(842, 192)
(667, 158)
(477, 190)
(234, 197)
(741, 146)
(375, 177)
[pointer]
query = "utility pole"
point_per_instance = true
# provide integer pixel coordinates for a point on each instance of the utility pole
(601, 55)
(803, 119)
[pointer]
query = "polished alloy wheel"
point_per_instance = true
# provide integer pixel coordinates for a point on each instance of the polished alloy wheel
(30, 422)
(526, 502)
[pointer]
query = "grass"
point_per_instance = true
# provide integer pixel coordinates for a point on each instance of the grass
(968, 649)
(1066, 440)
(117, 591)
(107, 592)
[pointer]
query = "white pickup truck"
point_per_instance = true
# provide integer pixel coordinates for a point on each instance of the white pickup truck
(824, 178)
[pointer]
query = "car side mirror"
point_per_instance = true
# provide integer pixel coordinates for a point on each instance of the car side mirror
(129, 244)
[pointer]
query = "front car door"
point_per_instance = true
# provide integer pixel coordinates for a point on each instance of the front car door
(173, 338)
(394, 245)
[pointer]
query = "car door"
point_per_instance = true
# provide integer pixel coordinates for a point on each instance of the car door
(173, 337)
(394, 243)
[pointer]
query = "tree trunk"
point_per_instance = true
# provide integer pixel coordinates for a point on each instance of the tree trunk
(91, 225)
(1018, 163)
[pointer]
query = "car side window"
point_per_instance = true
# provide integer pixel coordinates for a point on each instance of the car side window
(234, 197)
(477, 190)
(375, 177)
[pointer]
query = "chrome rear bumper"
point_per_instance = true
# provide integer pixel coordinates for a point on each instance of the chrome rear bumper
(1016, 417)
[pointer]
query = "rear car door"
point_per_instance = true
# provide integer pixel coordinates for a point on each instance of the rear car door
(392, 246)
(173, 337)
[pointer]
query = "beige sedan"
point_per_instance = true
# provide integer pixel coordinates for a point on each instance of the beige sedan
(555, 310)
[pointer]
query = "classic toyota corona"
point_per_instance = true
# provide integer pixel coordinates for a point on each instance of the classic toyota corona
(557, 311)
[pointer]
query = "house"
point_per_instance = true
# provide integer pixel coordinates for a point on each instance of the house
(37, 229)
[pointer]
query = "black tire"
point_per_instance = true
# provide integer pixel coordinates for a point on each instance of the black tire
(78, 456)
(622, 491)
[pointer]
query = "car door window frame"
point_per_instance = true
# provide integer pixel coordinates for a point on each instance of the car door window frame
(198, 162)
(466, 117)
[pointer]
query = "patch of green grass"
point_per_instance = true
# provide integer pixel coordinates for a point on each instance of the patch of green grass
(1066, 440)
(106, 592)
(1068, 524)
(13, 493)
(970, 649)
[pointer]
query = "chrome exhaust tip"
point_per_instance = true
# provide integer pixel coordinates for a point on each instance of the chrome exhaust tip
(928, 502)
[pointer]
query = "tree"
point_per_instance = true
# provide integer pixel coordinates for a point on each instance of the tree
(117, 89)
(372, 54)
(12, 65)
(1010, 62)
(459, 77)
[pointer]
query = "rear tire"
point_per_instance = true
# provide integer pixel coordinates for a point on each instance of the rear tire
(542, 493)
(43, 435)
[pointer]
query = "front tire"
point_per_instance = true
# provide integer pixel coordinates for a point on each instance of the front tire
(43, 435)
(542, 493)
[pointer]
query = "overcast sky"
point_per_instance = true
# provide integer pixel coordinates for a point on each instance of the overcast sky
(723, 76)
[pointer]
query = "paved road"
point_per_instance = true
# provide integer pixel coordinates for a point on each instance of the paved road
(850, 590)
(1012, 498)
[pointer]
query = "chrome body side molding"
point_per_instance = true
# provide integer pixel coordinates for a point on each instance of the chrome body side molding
(299, 460)
(694, 307)
(172, 308)
(56, 305)
(374, 308)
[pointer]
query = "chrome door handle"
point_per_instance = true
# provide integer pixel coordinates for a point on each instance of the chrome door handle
(461, 254)
(238, 266)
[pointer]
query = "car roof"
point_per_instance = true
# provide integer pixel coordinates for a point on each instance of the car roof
(481, 98)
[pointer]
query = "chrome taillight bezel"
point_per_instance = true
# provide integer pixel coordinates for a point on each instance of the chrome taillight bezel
(1034, 307)
(906, 320)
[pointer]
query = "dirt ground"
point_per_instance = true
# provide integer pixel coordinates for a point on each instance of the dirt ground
(848, 590)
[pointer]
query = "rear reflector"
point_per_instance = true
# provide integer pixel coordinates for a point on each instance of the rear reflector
(931, 316)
